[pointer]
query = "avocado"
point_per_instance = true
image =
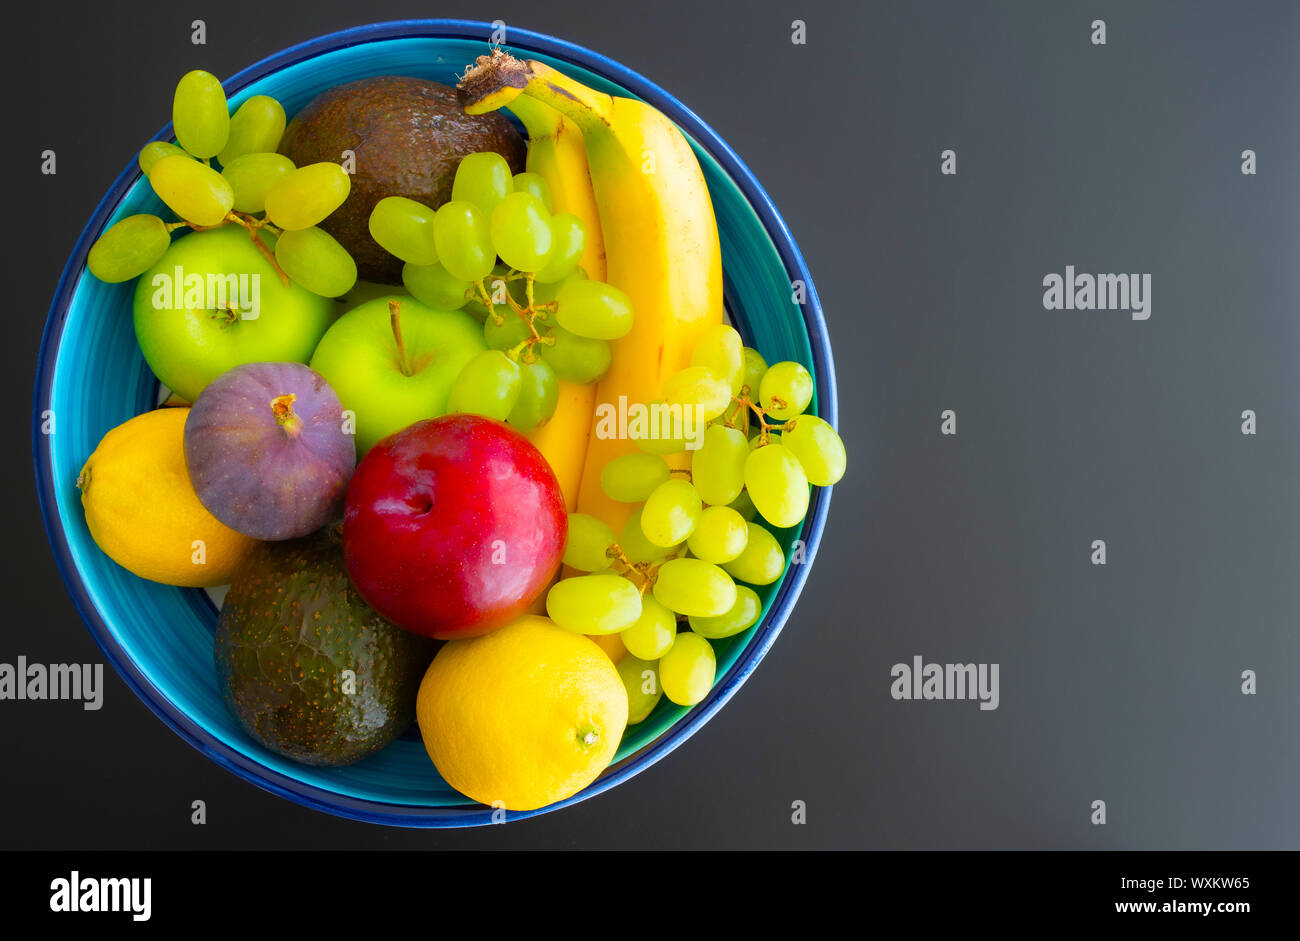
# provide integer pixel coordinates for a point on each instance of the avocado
(290, 627)
(408, 135)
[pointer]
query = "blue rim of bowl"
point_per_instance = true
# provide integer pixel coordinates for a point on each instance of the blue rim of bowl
(400, 815)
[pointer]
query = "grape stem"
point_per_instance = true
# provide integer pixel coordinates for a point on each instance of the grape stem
(743, 401)
(646, 572)
(627, 568)
(252, 225)
(526, 314)
(395, 320)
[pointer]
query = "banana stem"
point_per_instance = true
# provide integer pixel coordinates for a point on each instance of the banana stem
(496, 80)
(540, 120)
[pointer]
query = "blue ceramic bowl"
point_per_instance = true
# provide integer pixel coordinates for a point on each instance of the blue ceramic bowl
(92, 377)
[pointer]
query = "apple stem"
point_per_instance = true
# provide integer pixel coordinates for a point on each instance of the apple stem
(395, 318)
(285, 417)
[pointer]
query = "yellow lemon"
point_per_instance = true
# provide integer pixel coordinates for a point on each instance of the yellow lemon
(142, 509)
(525, 716)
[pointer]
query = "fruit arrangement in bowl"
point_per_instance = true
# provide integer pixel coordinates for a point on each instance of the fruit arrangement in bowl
(436, 378)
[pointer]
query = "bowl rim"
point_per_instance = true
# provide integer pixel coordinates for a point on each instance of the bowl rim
(406, 815)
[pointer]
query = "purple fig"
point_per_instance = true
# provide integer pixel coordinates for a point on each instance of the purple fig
(268, 452)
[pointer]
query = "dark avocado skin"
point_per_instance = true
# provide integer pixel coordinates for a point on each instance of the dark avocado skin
(291, 624)
(409, 135)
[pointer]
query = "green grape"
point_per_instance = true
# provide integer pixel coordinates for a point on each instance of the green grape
(718, 465)
(631, 478)
(568, 238)
(154, 151)
(474, 307)
(594, 604)
(743, 614)
(509, 333)
(192, 190)
(534, 185)
(687, 671)
(789, 383)
(128, 248)
(818, 448)
(755, 366)
(659, 437)
(545, 292)
(719, 536)
(200, 114)
(670, 512)
(482, 179)
(432, 285)
(641, 680)
(539, 394)
(594, 309)
(635, 546)
(404, 228)
(777, 484)
(251, 176)
(463, 240)
(758, 442)
(308, 195)
(700, 387)
(762, 560)
(488, 385)
(255, 128)
(719, 349)
(588, 540)
(650, 635)
(744, 506)
(574, 358)
(521, 231)
(693, 586)
(313, 258)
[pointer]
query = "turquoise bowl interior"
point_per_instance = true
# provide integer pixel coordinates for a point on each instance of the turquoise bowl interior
(92, 377)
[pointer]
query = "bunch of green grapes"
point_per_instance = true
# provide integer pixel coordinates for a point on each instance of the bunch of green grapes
(697, 541)
(256, 188)
(497, 251)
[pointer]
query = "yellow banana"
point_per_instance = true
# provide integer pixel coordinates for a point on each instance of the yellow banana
(563, 439)
(557, 155)
(660, 234)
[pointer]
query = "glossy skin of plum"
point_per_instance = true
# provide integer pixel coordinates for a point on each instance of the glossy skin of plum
(268, 450)
(453, 526)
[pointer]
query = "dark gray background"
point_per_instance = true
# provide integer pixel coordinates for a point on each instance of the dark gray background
(1119, 683)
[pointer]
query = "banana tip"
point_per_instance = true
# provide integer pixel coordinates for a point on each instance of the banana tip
(492, 82)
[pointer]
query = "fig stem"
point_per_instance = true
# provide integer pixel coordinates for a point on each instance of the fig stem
(282, 409)
(395, 318)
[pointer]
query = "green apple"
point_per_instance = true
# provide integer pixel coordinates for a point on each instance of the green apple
(364, 291)
(393, 366)
(214, 302)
